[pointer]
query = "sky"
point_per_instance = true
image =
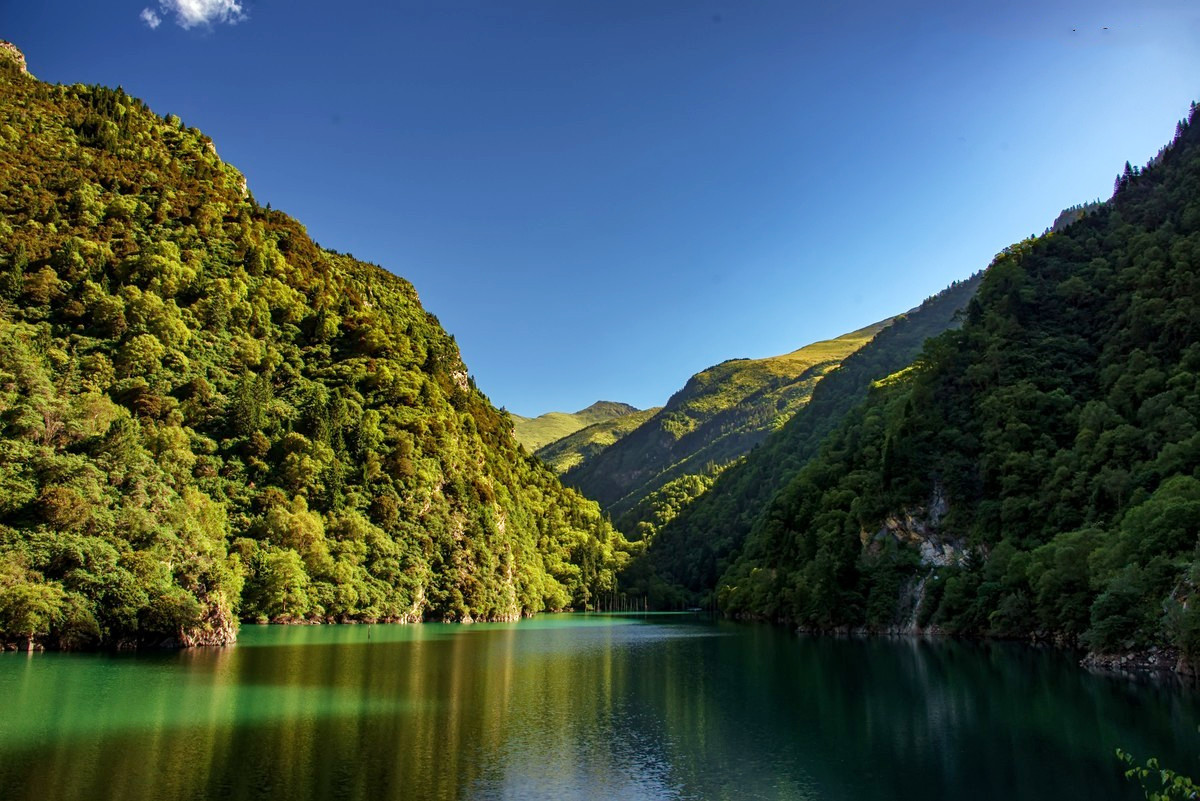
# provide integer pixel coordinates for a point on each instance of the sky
(599, 198)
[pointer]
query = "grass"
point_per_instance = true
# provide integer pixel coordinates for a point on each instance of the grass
(565, 453)
(718, 416)
(537, 432)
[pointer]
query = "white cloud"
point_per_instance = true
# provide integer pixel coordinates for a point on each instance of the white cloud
(190, 13)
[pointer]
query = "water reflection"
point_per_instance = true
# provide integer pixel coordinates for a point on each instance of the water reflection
(577, 707)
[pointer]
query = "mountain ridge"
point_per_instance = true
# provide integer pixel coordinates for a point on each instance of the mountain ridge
(715, 418)
(537, 432)
(566, 452)
(691, 550)
(1036, 473)
(206, 417)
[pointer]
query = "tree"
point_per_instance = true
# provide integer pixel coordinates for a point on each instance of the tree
(12, 277)
(29, 608)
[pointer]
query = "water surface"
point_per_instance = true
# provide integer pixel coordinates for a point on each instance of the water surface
(578, 707)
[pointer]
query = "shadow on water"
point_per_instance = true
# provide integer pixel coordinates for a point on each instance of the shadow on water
(578, 707)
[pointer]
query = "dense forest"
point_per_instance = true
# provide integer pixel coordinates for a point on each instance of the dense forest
(700, 536)
(1035, 473)
(647, 475)
(205, 416)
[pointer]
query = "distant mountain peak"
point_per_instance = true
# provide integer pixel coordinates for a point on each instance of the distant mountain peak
(537, 432)
(718, 416)
(614, 407)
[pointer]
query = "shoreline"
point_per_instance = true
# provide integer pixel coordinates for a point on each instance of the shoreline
(1153, 662)
(226, 636)
(1156, 662)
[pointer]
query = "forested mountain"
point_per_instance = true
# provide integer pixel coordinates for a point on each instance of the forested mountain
(538, 432)
(205, 416)
(1035, 473)
(563, 454)
(690, 552)
(718, 416)
(1073, 214)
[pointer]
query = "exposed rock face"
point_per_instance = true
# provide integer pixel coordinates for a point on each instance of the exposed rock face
(11, 52)
(241, 179)
(920, 527)
(908, 607)
(218, 628)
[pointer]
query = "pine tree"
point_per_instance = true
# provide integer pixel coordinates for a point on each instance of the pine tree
(12, 278)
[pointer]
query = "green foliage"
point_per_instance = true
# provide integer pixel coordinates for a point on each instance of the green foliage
(29, 606)
(718, 417)
(664, 504)
(1158, 783)
(1061, 424)
(205, 416)
(693, 550)
(1073, 214)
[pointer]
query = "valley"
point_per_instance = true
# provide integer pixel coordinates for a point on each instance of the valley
(264, 530)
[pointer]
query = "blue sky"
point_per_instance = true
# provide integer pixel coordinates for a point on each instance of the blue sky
(599, 198)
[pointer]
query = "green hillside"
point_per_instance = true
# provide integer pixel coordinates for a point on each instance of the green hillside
(718, 416)
(538, 432)
(565, 453)
(1073, 214)
(204, 416)
(1037, 472)
(691, 550)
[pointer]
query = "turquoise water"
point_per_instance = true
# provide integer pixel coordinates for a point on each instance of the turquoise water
(578, 707)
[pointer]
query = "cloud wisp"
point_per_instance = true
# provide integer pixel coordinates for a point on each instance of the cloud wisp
(151, 19)
(191, 13)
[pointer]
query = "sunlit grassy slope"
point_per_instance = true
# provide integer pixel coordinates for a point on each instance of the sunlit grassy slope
(695, 541)
(537, 432)
(563, 454)
(718, 416)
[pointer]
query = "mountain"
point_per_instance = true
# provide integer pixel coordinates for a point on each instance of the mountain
(718, 416)
(204, 416)
(1035, 473)
(563, 454)
(538, 432)
(1073, 214)
(691, 551)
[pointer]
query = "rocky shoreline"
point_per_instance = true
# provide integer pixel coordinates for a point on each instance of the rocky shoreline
(1132, 663)
(1160, 661)
(220, 632)
(1156, 660)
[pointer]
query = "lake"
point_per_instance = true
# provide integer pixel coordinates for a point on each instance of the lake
(579, 707)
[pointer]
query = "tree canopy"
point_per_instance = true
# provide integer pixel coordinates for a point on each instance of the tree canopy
(1060, 428)
(205, 416)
